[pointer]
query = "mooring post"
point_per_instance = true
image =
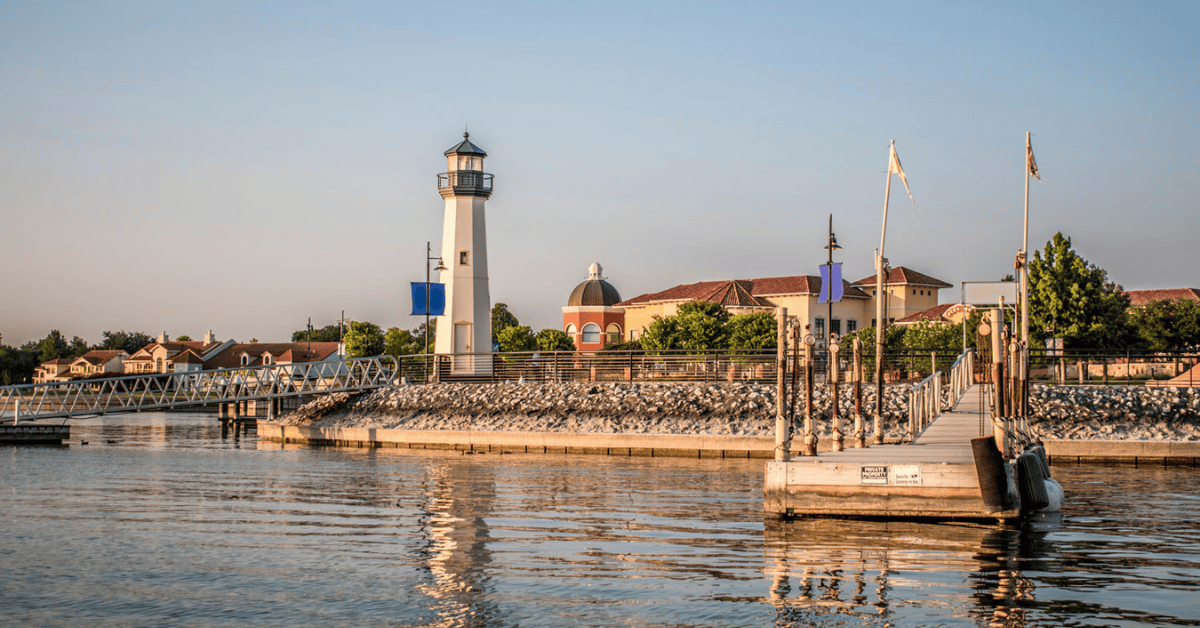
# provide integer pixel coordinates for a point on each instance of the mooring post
(810, 437)
(839, 437)
(16, 411)
(860, 434)
(999, 430)
(783, 433)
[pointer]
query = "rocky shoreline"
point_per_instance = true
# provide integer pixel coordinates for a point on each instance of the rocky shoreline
(1057, 412)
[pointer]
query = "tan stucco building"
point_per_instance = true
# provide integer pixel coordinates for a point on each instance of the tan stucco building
(906, 292)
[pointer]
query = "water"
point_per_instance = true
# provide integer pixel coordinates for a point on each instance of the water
(172, 524)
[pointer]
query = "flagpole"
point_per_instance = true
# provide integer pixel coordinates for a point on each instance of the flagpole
(880, 320)
(1025, 252)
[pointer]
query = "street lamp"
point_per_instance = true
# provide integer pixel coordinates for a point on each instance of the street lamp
(440, 267)
(832, 246)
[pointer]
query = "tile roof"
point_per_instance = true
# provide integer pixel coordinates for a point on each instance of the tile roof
(231, 357)
(186, 357)
(902, 275)
(104, 354)
(935, 313)
(1141, 298)
(58, 362)
(742, 292)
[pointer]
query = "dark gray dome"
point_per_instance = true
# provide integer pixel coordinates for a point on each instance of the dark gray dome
(595, 291)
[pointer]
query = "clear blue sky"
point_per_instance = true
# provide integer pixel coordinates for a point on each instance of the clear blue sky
(242, 166)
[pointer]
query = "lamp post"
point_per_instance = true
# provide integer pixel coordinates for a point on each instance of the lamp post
(832, 246)
(440, 267)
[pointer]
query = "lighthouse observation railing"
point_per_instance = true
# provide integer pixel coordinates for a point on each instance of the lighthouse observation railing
(135, 393)
(465, 179)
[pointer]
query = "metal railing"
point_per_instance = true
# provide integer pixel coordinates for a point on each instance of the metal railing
(466, 179)
(962, 376)
(135, 393)
(924, 404)
(1074, 367)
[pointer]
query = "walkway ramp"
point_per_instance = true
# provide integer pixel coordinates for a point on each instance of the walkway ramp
(932, 477)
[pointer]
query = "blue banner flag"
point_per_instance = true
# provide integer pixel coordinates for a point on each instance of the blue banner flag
(831, 283)
(437, 298)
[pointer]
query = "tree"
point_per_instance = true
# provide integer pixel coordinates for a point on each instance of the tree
(662, 335)
(363, 339)
(77, 347)
(517, 338)
(184, 338)
(419, 334)
(1075, 300)
(328, 333)
(127, 341)
(702, 326)
(629, 345)
(502, 319)
(18, 365)
(1168, 325)
(758, 330)
(53, 346)
(555, 340)
(398, 342)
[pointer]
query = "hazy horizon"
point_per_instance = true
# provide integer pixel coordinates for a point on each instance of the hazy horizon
(186, 167)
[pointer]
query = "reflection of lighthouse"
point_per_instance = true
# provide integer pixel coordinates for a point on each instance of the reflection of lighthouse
(465, 327)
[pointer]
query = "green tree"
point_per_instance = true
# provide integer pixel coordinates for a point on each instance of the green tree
(517, 338)
(184, 338)
(398, 342)
(77, 347)
(363, 339)
(18, 365)
(501, 320)
(1075, 300)
(758, 330)
(1168, 325)
(127, 341)
(702, 326)
(555, 340)
(419, 334)
(53, 347)
(662, 335)
(328, 333)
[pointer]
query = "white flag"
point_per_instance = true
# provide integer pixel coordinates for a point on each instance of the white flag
(1030, 164)
(894, 167)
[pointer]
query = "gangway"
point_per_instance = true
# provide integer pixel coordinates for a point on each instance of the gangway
(156, 391)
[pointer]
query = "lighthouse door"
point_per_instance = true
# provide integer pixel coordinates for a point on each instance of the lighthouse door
(462, 346)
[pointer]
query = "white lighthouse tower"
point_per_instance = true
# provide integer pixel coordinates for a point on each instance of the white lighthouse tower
(465, 328)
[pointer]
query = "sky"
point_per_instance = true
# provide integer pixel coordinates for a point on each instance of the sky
(242, 167)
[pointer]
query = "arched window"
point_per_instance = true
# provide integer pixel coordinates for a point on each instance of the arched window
(245, 359)
(158, 365)
(570, 330)
(591, 333)
(266, 359)
(614, 333)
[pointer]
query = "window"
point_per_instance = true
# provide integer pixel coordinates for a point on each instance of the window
(835, 326)
(614, 333)
(633, 335)
(245, 359)
(819, 328)
(591, 333)
(462, 258)
(851, 326)
(570, 330)
(267, 359)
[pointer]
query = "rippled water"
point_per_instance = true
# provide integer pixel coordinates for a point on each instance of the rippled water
(162, 520)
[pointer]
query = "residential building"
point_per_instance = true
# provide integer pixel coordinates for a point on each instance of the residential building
(98, 361)
(1142, 298)
(57, 370)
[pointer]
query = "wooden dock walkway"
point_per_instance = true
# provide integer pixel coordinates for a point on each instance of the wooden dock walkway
(932, 477)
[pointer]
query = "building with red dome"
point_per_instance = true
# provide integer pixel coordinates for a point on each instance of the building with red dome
(590, 317)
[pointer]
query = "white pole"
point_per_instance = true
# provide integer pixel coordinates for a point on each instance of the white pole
(880, 320)
(1025, 251)
(17, 412)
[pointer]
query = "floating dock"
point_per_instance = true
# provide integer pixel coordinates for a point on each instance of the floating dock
(934, 477)
(32, 434)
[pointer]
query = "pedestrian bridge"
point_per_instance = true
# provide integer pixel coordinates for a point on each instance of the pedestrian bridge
(157, 391)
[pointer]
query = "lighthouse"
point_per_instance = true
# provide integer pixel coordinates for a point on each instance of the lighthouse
(465, 329)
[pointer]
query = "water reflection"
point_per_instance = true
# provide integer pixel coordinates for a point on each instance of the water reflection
(865, 572)
(454, 528)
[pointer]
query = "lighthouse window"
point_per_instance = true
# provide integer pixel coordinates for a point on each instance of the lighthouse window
(462, 258)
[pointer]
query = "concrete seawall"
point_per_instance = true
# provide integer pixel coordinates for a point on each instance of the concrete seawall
(1061, 453)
